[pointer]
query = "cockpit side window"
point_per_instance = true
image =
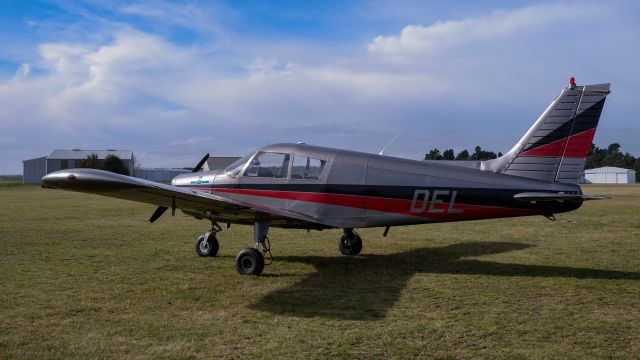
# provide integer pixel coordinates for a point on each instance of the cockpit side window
(306, 168)
(269, 165)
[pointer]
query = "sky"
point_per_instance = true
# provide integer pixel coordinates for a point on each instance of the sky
(173, 80)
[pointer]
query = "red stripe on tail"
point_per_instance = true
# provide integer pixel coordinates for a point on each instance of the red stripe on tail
(575, 146)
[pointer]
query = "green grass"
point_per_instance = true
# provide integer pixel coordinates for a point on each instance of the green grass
(88, 277)
(5, 183)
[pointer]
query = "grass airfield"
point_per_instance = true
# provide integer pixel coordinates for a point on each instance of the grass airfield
(84, 276)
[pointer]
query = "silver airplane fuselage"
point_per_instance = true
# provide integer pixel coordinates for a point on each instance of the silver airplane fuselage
(357, 190)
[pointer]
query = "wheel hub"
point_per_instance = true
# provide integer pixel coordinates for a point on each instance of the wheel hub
(247, 263)
(204, 246)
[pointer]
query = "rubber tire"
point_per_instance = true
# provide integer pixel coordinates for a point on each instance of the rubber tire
(351, 247)
(249, 262)
(208, 248)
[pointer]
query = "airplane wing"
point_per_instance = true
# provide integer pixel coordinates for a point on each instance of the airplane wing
(191, 201)
(550, 196)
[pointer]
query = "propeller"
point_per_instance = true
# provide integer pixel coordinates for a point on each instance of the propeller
(161, 209)
(201, 163)
(156, 214)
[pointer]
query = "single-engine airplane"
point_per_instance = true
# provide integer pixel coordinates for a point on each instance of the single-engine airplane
(311, 187)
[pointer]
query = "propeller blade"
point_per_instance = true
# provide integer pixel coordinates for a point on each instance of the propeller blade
(199, 166)
(156, 214)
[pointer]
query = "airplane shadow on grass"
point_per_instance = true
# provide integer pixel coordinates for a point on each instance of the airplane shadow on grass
(365, 287)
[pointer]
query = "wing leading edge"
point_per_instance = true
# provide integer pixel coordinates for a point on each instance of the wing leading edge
(190, 201)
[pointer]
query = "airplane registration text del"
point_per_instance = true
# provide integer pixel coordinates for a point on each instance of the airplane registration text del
(427, 201)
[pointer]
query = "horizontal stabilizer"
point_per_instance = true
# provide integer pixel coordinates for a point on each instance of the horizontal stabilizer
(550, 196)
(594, 197)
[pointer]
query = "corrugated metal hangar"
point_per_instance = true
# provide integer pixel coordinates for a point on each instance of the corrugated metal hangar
(35, 169)
(160, 174)
(165, 174)
(610, 175)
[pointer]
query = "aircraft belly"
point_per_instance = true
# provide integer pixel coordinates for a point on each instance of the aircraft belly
(341, 216)
(327, 209)
(303, 207)
(395, 212)
(260, 201)
(374, 218)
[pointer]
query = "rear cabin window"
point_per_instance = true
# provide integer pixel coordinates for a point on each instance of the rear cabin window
(269, 165)
(306, 168)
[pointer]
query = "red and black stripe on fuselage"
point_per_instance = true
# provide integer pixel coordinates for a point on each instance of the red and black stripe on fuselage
(390, 205)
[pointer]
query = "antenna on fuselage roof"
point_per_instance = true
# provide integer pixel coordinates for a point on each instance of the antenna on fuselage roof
(392, 140)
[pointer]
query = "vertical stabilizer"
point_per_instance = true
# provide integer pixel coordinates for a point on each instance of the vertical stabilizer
(557, 145)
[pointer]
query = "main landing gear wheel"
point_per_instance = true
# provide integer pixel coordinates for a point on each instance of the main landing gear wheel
(350, 243)
(207, 245)
(250, 262)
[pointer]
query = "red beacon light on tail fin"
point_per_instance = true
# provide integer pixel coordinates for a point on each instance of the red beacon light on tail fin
(572, 83)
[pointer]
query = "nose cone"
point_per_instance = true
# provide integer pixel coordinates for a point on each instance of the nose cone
(59, 179)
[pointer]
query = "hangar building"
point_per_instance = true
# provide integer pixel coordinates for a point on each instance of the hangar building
(160, 174)
(167, 174)
(218, 162)
(610, 175)
(35, 169)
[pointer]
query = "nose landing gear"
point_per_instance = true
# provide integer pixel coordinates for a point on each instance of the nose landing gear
(207, 244)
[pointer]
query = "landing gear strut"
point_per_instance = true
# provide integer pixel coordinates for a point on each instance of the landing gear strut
(250, 261)
(350, 243)
(207, 244)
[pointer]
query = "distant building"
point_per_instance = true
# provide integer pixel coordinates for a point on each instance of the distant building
(610, 175)
(218, 162)
(35, 169)
(160, 174)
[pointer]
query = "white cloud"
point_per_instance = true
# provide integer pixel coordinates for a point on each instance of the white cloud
(453, 83)
(269, 66)
(442, 36)
(198, 17)
(22, 73)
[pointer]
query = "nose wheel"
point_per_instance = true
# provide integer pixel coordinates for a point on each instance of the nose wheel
(207, 245)
(350, 243)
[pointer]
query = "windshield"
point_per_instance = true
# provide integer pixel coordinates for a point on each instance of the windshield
(234, 169)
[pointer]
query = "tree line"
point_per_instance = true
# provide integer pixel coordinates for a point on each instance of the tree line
(478, 154)
(111, 163)
(598, 157)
